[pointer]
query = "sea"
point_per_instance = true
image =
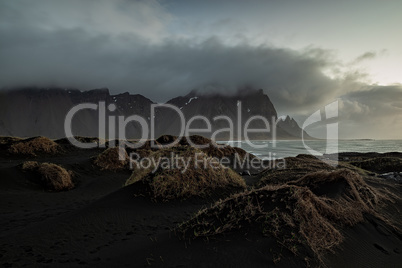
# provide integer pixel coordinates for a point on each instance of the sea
(269, 149)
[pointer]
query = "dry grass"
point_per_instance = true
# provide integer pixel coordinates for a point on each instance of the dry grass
(195, 139)
(299, 215)
(7, 140)
(34, 146)
(65, 141)
(146, 149)
(221, 151)
(380, 164)
(296, 167)
(342, 185)
(197, 180)
(166, 139)
(150, 145)
(30, 165)
(51, 176)
(215, 150)
(183, 141)
(210, 148)
(110, 159)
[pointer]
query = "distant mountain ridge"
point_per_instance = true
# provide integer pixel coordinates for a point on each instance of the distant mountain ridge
(30, 112)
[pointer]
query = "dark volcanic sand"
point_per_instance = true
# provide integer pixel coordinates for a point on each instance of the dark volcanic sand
(100, 223)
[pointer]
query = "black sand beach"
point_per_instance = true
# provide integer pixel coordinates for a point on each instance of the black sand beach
(101, 222)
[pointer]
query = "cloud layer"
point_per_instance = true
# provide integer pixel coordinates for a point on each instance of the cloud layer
(128, 46)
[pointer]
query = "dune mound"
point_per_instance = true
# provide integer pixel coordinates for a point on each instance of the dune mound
(166, 139)
(6, 140)
(380, 164)
(221, 151)
(303, 217)
(207, 146)
(186, 141)
(65, 141)
(51, 176)
(191, 173)
(293, 169)
(34, 146)
(150, 145)
(195, 139)
(213, 149)
(145, 149)
(110, 159)
(343, 185)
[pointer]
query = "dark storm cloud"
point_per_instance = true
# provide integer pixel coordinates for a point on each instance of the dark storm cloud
(128, 46)
(375, 101)
(161, 69)
(372, 111)
(378, 93)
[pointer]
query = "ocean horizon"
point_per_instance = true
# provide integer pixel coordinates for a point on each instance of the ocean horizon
(287, 148)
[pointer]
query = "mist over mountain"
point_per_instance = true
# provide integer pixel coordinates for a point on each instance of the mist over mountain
(27, 112)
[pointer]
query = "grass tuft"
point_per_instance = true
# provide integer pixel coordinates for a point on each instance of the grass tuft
(202, 177)
(380, 164)
(110, 159)
(34, 146)
(51, 176)
(296, 167)
(304, 215)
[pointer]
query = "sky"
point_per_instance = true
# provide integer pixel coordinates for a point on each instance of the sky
(303, 54)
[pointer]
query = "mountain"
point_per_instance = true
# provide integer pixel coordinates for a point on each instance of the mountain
(29, 112)
(290, 126)
(37, 111)
(249, 103)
